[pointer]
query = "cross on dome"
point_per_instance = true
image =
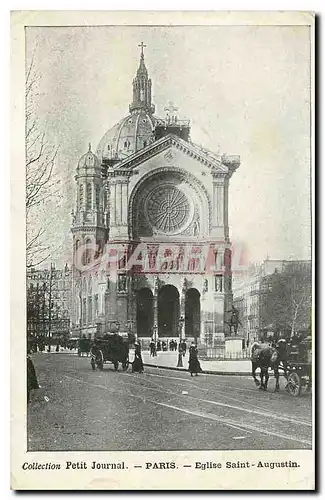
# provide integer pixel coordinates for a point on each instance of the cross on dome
(142, 45)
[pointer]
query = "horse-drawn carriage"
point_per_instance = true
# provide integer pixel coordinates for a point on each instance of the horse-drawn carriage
(111, 347)
(293, 358)
(298, 367)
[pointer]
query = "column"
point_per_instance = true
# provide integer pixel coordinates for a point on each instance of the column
(182, 309)
(125, 200)
(218, 205)
(118, 202)
(225, 208)
(101, 300)
(112, 203)
(155, 308)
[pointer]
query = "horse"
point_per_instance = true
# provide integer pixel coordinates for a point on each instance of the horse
(264, 357)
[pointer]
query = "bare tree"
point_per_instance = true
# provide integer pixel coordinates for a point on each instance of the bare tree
(41, 183)
(286, 298)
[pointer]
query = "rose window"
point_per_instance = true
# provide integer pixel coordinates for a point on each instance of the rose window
(168, 209)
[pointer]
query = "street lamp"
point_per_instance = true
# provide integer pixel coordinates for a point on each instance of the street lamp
(180, 326)
(180, 352)
(155, 333)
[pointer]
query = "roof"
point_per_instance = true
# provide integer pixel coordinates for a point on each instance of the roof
(129, 135)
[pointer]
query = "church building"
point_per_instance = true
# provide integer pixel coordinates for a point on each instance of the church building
(150, 229)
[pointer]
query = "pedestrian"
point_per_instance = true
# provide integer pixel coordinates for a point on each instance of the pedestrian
(32, 382)
(152, 347)
(183, 346)
(137, 365)
(193, 363)
(158, 346)
(180, 357)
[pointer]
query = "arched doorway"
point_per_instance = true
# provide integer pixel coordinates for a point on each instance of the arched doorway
(192, 313)
(168, 311)
(144, 312)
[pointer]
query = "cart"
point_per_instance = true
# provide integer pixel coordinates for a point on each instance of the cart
(299, 367)
(111, 348)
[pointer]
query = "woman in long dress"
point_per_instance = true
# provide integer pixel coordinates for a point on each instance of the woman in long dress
(137, 365)
(193, 363)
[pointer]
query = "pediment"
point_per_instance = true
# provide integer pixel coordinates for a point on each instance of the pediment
(171, 146)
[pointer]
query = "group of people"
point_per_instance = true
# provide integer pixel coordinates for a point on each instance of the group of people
(194, 364)
(163, 345)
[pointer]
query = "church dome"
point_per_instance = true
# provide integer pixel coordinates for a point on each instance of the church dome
(129, 135)
(88, 160)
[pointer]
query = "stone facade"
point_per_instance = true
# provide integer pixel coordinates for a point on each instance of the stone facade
(163, 207)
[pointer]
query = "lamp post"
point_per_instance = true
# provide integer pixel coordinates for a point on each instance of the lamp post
(155, 333)
(180, 352)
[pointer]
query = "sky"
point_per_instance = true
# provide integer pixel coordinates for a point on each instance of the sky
(246, 90)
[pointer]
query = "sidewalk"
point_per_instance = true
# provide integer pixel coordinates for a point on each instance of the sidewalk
(169, 360)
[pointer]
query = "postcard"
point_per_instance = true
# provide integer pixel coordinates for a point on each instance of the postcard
(162, 294)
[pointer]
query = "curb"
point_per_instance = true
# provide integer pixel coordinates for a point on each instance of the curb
(207, 372)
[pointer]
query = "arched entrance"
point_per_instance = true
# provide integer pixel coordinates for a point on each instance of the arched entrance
(168, 311)
(144, 312)
(192, 313)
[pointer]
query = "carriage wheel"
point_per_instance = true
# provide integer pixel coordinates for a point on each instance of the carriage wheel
(100, 360)
(294, 384)
(116, 365)
(125, 365)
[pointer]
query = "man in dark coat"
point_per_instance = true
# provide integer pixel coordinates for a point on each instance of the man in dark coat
(32, 382)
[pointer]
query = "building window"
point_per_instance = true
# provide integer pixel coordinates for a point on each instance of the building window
(87, 252)
(96, 306)
(88, 197)
(97, 196)
(81, 196)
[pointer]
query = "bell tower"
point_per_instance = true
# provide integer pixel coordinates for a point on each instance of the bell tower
(142, 88)
(89, 226)
(88, 223)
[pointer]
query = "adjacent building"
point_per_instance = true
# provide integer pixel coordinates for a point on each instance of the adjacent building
(49, 301)
(274, 296)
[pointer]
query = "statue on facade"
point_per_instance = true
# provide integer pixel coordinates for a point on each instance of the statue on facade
(218, 283)
(205, 286)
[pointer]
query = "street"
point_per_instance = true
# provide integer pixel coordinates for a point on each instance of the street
(160, 409)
